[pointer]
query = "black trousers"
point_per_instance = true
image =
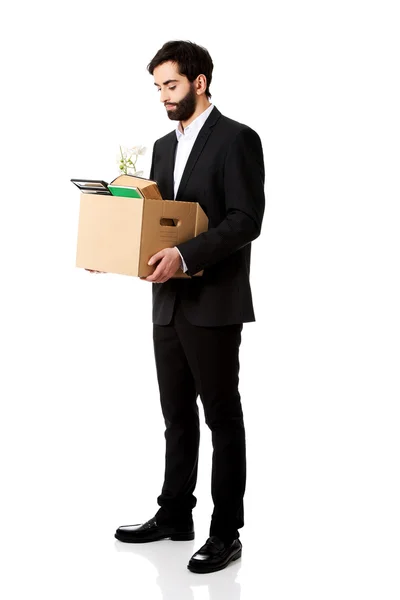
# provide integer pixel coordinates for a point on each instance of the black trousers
(192, 361)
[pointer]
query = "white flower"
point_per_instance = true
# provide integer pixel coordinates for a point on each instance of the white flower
(127, 159)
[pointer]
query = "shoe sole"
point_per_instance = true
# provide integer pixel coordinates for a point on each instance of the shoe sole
(175, 537)
(195, 569)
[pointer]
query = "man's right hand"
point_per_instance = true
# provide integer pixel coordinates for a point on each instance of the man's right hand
(93, 271)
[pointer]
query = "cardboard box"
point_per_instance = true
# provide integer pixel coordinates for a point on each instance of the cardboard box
(117, 234)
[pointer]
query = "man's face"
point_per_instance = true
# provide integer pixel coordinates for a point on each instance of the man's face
(176, 92)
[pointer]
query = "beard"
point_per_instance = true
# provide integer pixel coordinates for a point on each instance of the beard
(185, 108)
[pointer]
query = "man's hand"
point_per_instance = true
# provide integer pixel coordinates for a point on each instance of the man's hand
(170, 262)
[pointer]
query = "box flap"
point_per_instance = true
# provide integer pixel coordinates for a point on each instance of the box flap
(201, 223)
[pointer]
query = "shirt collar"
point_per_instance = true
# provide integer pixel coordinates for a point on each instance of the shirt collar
(195, 126)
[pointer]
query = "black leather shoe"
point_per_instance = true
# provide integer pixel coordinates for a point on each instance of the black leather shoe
(214, 555)
(151, 532)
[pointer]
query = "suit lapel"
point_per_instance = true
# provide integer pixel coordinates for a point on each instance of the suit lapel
(197, 149)
(169, 166)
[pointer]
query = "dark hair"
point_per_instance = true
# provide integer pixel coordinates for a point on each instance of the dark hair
(192, 60)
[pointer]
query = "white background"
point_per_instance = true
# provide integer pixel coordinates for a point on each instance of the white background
(82, 444)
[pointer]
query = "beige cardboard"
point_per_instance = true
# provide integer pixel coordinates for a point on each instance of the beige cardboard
(119, 235)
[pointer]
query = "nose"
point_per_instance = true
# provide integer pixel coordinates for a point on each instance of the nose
(164, 96)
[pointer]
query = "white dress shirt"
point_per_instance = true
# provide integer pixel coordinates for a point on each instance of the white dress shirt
(185, 145)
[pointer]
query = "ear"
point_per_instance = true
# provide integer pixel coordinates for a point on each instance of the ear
(201, 84)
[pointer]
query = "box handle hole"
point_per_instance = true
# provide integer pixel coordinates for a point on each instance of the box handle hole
(169, 222)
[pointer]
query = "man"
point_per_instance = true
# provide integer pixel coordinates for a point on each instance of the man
(197, 321)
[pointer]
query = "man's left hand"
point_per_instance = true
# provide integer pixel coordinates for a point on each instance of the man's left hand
(170, 262)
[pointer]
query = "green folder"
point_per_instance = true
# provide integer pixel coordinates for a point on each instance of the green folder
(127, 192)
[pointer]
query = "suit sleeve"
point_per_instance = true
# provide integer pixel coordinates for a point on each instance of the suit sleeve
(183, 264)
(244, 178)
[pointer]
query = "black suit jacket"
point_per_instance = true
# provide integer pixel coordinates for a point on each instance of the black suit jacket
(225, 175)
